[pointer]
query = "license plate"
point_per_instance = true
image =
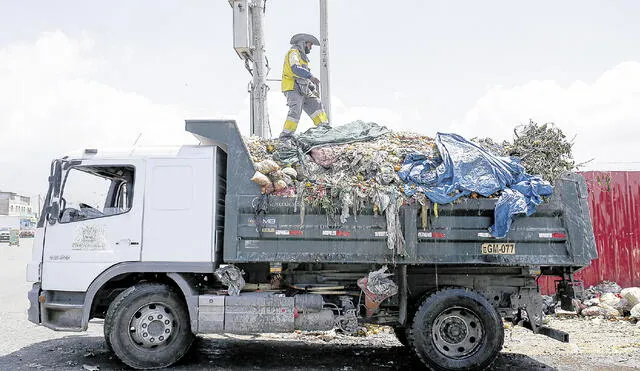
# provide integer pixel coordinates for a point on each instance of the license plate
(499, 248)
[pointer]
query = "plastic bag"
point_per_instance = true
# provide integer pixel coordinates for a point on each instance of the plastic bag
(279, 185)
(267, 166)
(260, 179)
(291, 172)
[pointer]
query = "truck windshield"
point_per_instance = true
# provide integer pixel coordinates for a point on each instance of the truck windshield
(96, 191)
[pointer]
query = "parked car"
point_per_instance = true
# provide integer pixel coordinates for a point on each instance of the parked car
(28, 233)
(4, 235)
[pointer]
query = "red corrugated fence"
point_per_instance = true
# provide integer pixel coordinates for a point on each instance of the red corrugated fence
(614, 202)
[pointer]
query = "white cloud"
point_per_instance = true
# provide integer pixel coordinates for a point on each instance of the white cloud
(381, 115)
(49, 106)
(603, 115)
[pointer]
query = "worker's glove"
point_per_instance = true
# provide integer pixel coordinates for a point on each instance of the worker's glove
(315, 80)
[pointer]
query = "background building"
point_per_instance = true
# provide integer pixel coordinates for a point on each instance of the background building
(14, 204)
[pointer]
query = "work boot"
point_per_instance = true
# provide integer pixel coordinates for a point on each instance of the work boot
(324, 125)
(286, 140)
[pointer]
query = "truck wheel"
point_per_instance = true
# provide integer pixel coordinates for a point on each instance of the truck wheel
(107, 333)
(456, 329)
(147, 326)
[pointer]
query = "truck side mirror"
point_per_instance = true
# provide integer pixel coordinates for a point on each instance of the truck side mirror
(57, 179)
(53, 213)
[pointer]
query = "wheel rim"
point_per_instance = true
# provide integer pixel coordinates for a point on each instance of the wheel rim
(457, 332)
(152, 325)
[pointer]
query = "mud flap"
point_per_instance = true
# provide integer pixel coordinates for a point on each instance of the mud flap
(529, 300)
(33, 313)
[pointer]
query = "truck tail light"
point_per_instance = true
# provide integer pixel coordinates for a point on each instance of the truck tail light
(552, 235)
(432, 235)
(337, 233)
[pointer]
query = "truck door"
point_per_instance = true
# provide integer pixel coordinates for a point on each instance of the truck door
(99, 224)
(179, 208)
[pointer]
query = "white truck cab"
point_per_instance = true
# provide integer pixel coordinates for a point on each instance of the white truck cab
(112, 207)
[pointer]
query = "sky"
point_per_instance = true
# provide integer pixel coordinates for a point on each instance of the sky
(77, 74)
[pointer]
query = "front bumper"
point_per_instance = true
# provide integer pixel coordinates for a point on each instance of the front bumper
(33, 312)
(56, 310)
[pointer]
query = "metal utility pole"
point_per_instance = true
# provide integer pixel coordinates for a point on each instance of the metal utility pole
(248, 41)
(259, 87)
(325, 91)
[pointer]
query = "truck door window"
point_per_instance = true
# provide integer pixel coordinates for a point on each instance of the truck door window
(95, 192)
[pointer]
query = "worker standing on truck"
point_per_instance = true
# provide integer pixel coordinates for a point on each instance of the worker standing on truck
(300, 86)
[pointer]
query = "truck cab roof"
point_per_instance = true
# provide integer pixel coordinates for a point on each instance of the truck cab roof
(184, 151)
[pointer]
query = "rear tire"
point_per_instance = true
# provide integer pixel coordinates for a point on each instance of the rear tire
(456, 329)
(147, 326)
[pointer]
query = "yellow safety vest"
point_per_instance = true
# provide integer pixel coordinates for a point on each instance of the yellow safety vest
(288, 77)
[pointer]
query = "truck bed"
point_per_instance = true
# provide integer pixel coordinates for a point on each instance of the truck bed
(558, 234)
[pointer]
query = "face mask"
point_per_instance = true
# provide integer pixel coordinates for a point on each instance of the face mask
(306, 50)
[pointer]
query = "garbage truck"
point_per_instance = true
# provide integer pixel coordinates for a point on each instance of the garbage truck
(164, 244)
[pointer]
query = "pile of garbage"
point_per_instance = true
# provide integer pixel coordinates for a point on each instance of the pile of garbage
(608, 300)
(366, 168)
(543, 149)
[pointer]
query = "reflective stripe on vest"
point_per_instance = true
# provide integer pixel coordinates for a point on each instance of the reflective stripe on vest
(288, 77)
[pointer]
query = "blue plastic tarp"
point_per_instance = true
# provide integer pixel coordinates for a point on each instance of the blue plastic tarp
(465, 167)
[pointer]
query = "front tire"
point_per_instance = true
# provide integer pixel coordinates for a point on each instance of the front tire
(456, 329)
(147, 326)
